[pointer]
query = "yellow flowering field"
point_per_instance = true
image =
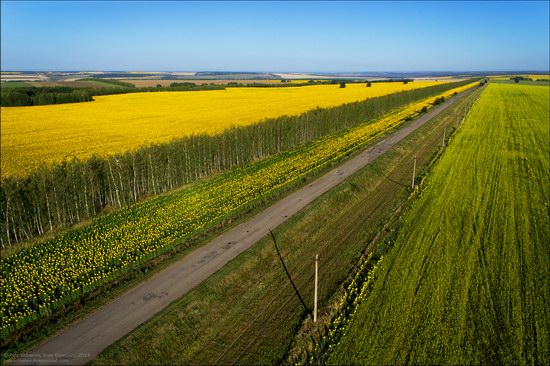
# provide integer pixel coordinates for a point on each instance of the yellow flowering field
(32, 136)
(530, 76)
(537, 76)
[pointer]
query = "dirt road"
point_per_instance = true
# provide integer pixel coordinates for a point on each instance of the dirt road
(86, 338)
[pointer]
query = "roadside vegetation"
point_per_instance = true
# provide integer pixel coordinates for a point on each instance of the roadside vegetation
(468, 278)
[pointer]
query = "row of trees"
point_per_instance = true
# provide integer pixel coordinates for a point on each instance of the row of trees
(517, 79)
(41, 96)
(71, 191)
(27, 96)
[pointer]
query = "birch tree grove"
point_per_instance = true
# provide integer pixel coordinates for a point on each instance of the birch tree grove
(66, 193)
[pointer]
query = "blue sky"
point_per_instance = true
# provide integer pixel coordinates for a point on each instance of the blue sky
(275, 36)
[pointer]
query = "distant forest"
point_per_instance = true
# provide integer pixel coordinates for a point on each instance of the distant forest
(28, 96)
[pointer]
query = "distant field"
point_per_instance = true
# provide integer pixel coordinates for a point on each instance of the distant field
(303, 76)
(538, 76)
(71, 84)
(530, 76)
(155, 82)
(539, 82)
(149, 82)
(33, 136)
(468, 280)
(19, 77)
(15, 84)
(75, 84)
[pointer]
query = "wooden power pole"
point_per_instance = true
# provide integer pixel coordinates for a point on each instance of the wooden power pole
(315, 294)
(414, 172)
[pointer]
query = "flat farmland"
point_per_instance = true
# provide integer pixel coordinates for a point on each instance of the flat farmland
(530, 76)
(94, 84)
(40, 135)
(39, 280)
(20, 77)
(468, 278)
(15, 84)
(154, 82)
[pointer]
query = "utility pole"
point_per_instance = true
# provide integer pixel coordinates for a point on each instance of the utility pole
(414, 172)
(444, 131)
(315, 295)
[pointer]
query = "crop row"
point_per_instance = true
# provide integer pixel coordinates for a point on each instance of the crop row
(37, 280)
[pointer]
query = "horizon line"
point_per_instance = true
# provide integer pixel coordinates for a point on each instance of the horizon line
(272, 72)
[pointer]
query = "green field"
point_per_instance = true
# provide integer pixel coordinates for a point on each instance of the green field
(468, 280)
(15, 84)
(247, 312)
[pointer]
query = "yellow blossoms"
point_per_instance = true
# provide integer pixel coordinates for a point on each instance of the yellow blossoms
(38, 135)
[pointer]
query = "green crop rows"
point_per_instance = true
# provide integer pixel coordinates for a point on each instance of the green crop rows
(468, 278)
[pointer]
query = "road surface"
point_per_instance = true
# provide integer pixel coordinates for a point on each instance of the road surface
(83, 340)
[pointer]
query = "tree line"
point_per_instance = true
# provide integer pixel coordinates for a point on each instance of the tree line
(44, 95)
(66, 193)
(27, 96)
